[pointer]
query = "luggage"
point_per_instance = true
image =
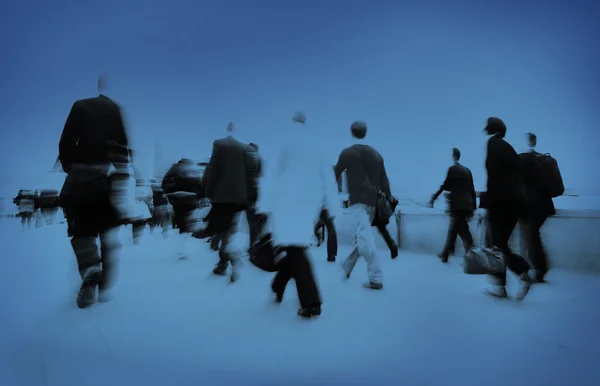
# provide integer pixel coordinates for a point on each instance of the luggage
(484, 261)
(547, 176)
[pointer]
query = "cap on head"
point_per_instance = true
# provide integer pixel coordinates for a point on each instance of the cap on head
(358, 129)
(495, 126)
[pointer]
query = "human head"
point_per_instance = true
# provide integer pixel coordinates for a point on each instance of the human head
(358, 129)
(455, 154)
(531, 140)
(101, 83)
(495, 126)
(229, 128)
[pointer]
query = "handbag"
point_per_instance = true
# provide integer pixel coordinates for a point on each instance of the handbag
(385, 206)
(486, 259)
(264, 255)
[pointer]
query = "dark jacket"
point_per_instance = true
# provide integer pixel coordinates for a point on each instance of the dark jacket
(459, 182)
(364, 167)
(539, 204)
(228, 180)
(504, 179)
(255, 170)
(94, 133)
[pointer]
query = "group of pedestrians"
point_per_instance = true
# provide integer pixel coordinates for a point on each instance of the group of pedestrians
(95, 153)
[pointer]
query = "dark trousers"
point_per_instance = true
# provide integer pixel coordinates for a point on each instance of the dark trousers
(389, 241)
(89, 223)
(533, 240)
(138, 229)
(222, 222)
(255, 224)
(502, 219)
(459, 226)
(326, 222)
(295, 265)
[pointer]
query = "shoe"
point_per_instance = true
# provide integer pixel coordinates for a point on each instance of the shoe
(87, 292)
(443, 258)
(331, 259)
(524, 286)
(220, 269)
(278, 297)
(310, 311)
(234, 277)
(498, 292)
(373, 285)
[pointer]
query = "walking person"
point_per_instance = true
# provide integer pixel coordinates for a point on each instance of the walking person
(228, 184)
(540, 208)
(506, 203)
(367, 177)
(463, 202)
(94, 152)
(292, 209)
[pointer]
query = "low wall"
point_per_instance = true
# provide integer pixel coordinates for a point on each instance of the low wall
(570, 238)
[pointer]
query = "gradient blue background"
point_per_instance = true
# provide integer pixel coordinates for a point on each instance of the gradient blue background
(424, 75)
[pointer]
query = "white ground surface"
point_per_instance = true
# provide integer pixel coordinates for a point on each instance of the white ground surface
(173, 324)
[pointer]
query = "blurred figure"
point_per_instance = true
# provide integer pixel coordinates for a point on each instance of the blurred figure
(326, 226)
(229, 186)
(367, 176)
(48, 204)
(463, 202)
(183, 186)
(506, 203)
(144, 208)
(540, 208)
(161, 214)
(25, 202)
(94, 152)
(293, 208)
(255, 170)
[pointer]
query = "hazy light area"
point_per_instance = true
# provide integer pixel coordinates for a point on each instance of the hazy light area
(423, 77)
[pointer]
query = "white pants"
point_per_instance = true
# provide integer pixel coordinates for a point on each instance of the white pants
(364, 243)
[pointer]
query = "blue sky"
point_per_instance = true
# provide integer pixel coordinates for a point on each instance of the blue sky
(423, 75)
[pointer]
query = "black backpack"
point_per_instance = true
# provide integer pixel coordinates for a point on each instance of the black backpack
(547, 177)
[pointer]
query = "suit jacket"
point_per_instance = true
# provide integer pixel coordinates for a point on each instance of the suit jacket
(94, 133)
(364, 167)
(504, 178)
(459, 182)
(227, 178)
(540, 204)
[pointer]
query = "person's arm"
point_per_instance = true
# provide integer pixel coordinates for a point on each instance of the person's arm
(341, 165)
(442, 188)
(69, 138)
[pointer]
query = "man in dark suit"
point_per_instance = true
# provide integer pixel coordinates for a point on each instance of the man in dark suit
(506, 202)
(366, 174)
(463, 202)
(228, 183)
(539, 208)
(94, 152)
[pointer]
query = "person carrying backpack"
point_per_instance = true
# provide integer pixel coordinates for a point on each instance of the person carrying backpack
(543, 182)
